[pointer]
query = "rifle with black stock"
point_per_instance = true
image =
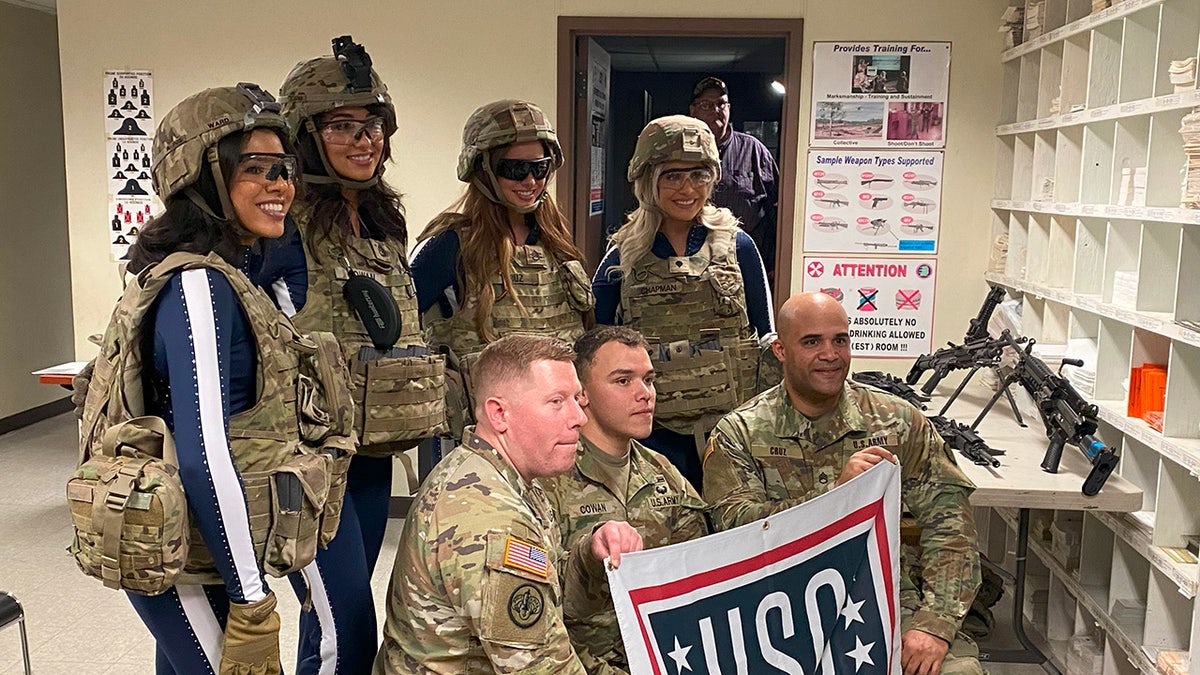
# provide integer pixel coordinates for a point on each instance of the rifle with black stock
(979, 325)
(892, 385)
(1068, 417)
(964, 439)
(974, 354)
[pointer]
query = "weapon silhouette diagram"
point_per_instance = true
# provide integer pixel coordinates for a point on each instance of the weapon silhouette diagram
(917, 227)
(883, 181)
(834, 201)
(831, 225)
(832, 182)
(881, 202)
(875, 227)
(920, 183)
(920, 205)
(875, 245)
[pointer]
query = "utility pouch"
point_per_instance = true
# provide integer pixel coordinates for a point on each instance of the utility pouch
(129, 510)
(693, 380)
(375, 307)
(403, 399)
(579, 286)
(299, 490)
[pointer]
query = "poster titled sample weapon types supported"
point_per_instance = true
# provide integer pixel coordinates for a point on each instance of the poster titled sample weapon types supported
(865, 201)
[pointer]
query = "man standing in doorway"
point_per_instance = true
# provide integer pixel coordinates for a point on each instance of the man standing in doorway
(749, 176)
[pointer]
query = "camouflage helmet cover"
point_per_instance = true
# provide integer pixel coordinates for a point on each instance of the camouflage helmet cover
(320, 85)
(674, 138)
(198, 122)
(503, 123)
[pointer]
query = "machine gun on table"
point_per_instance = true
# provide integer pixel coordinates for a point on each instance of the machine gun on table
(1068, 417)
(892, 385)
(964, 439)
(978, 350)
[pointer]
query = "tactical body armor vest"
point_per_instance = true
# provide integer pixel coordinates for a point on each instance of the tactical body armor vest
(399, 394)
(291, 449)
(554, 297)
(692, 310)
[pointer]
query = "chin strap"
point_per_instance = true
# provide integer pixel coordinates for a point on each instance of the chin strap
(491, 188)
(331, 177)
(228, 215)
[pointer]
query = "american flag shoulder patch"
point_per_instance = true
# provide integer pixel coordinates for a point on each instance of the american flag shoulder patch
(527, 557)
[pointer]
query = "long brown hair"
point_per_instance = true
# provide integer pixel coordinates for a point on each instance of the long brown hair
(329, 210)
(486, 247)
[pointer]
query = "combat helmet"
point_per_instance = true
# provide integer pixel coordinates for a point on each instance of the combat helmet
(327, 82)
(500, 124)
(674, 138)
(187, 139)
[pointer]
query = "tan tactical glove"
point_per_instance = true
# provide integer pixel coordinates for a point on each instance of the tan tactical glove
(251, 643)
(79, 388)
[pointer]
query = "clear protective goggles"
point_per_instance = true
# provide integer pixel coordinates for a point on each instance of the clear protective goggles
(675, 178)
(348, 132)
(266, 167)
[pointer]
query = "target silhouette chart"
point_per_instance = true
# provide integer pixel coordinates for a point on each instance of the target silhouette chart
(129, 124)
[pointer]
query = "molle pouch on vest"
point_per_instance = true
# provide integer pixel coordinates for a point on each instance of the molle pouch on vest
(325, 411)
(459, 408)
(129, 510)
(579, 287)
(324, 403)
(730, 290)
(694, 381)
(299, 490)
(743, 361)
(770, 368)
(403, 396)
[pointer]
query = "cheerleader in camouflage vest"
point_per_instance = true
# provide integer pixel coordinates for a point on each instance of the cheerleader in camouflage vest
(500, 260)
(682, 272)
(213, 369)
(351, 226)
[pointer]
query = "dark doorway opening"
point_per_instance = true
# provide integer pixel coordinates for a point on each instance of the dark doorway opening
(616, 74)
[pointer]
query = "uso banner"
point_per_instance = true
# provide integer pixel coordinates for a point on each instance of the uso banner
(811, 589)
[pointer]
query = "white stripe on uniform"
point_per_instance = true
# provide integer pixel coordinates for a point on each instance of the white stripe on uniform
(231, 500)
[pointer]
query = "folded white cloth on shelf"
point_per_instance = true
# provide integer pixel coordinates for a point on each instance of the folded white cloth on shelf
(1190, 131)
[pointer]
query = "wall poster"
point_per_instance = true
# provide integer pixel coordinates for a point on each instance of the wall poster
(129, 124)
(871, 201)
(889, 301)
(880, 94)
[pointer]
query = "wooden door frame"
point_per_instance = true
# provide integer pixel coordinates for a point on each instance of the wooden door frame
(571, 28)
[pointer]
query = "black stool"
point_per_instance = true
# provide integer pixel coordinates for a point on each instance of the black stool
(10, 611)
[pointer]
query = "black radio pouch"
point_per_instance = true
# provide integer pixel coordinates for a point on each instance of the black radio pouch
(375, 307)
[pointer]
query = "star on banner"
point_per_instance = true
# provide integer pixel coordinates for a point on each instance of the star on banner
(853, 611)
(861, 653)
(679, 656)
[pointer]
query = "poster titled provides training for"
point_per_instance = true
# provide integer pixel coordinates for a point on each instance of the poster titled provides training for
(129, 133)
(889, 301)
(880, 94)
(868, 201)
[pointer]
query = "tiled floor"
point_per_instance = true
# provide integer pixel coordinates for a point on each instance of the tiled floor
(75, 624)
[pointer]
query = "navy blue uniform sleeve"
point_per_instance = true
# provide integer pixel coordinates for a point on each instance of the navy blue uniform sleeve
(754, 276)
(435, 269)
(195, 328)
(284, 274)
(607, 289)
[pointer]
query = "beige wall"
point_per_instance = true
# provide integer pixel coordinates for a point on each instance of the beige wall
(35, 289)
(441, 60)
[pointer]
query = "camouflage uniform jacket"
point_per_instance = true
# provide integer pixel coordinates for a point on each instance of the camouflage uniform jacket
(658, 502)
(766, 457)
(475, 588)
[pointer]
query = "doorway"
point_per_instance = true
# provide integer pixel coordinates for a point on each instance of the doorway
(616, 74)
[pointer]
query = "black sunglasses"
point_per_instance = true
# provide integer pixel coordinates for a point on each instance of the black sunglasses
(518, 169)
